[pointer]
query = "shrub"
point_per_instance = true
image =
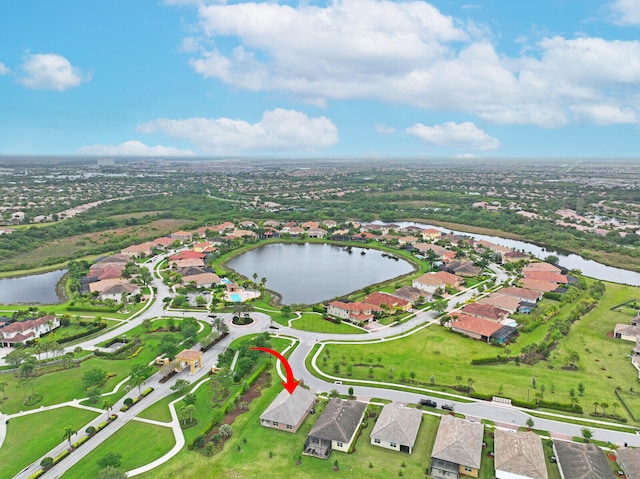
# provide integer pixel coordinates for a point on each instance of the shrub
(60, 456)
(80, 441)
(128, 402)
(90, 430)
(46, 462)
(146, 392)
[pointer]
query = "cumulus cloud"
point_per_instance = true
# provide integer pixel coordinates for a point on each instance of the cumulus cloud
(410, 53)
(455, 135)
(133, 148)
(605, 114)
(626, 12)
(278, 130)
(4, 70)
(49, 71)
(384, 129)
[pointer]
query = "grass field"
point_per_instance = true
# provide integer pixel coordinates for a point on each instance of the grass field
(27, 440)
(127, 442)
(439, 356)
(313, 322)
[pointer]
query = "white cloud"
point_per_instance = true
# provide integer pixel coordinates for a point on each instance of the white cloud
(410, 53)
(4, 70)
(605, 114)
(466, 156)
(384, 129)
(626, 12)
(49, 71)
(278, 130)
(133, 148)
(455, 135)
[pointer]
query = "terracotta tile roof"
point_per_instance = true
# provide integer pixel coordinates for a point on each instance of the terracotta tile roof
(22, 326)
(485, 311)
(189, 355)
(538, 285)
(354, 306)
(440, 278)
(187, 254)
(378, 299)
(502, 301)
(546, 276)
(475, 325)
(542, 267)
(528, 294)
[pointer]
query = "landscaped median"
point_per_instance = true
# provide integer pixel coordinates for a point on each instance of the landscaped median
(129, 402)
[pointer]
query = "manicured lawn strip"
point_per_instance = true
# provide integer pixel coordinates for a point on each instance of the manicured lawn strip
(313, 322)
(139, 443)
(159, 411)
(570, 419)
(439, 355)
(28, 439)
(487, 467)
(552, 468)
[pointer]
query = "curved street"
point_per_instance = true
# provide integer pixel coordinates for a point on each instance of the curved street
(501, 414)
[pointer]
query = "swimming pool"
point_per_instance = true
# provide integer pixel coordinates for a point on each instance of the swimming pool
(225, 281)
(236, 297)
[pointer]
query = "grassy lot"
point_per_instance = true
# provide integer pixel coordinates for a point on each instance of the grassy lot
(247, 453)
(127, 442)
(22, 445)
(632, 401)
(487, 466)
(314, 322)
(439, 356)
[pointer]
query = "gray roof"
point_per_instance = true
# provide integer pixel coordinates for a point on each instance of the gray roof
(520, 453)
(397, 424)
(629, 460)
(581, 461)
(339, 420)
(289, 408)
(459, 441)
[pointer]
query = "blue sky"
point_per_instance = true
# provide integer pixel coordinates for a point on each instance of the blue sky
(354, 78)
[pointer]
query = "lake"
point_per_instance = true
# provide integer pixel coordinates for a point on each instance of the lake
(588, 267)
(312, 273)
(36, 288)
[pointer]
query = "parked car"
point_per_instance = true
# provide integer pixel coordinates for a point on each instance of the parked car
(447, 407)
(428, 402)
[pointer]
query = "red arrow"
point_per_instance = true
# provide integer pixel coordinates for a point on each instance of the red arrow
(291, 383)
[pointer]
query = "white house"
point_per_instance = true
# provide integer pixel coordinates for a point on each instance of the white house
(23, 331)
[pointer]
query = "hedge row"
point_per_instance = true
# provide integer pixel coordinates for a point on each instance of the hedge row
(36, 474)
(80, 442)
(531, 405)
(137, 351)
(144, 394)
(118, 352)
(96, 309)
(496, 360)
(84, 334)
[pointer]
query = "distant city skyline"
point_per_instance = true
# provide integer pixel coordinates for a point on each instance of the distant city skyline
(352, 78)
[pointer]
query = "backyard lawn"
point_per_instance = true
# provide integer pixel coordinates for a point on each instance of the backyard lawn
(26, 443)
(313, 322)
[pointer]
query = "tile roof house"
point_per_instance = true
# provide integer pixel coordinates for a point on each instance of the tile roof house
(513, 256)
(462, 268)
(502, 301)
(181, 236)
(457, 449)
(429, 282)
(411, 294)
(424, 247)
(392, 302)
(353, 311)
(163, 242)
(519, 455)
(431, 233)
(116, 291)
(546, 276)
(476, 328)
(105, 284)
(485, 311)
(538, 285)
(287, 411)
(397, 427)
(522, 294)
(336, 428)
(181, 264)
(581, 461)
(138, 250)
(629, 460)
(187, 254)
(205, 280)
(23, 331)
(542, 267)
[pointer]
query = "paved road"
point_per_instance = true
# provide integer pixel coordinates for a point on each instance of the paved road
(501, 414)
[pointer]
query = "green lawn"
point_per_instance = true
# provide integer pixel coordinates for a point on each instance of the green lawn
(439, 356)
(487, 467)
(246, 454)
(128, 442)
(27, 440)
(313, 322)
(159, 411)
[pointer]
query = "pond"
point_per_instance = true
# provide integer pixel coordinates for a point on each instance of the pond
(36, 288)
(311, 273)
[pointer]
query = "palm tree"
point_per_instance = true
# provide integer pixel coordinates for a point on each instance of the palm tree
(595, 406)
(470, 384)
(68, 434)
(604, 406)
(615, 406)
(189, 410)
(107, 404)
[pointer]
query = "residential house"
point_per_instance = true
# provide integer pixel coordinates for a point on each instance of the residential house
(626, 332)
(522, 294)
(457, 449)
(465, 269)
(223, 227)
(27, 330)
(514, 256)
(411, 294)
(183, 263)
(581, 461)
(336, 428)
(493, 247)
(181, 236)
(502, 301)
(539, 266)
(271, 224)
(162, 243)
(353, 311)
(430, 282)
(310, 225)
(438, 250)
(105, 284)
(202, 280)
(397, 427)
(187, 254)
(629, 461)
(248, 225)
(546, 276)
(476, 328)
(139, 250)
(519, 455)
(204, 247)
(538, 285)
(406, 240)
(116, 291)
(387, 302)
(330, 224)
(293, 231)
(485, 311)
(431, 233)
(287, 411)
(316, 233)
